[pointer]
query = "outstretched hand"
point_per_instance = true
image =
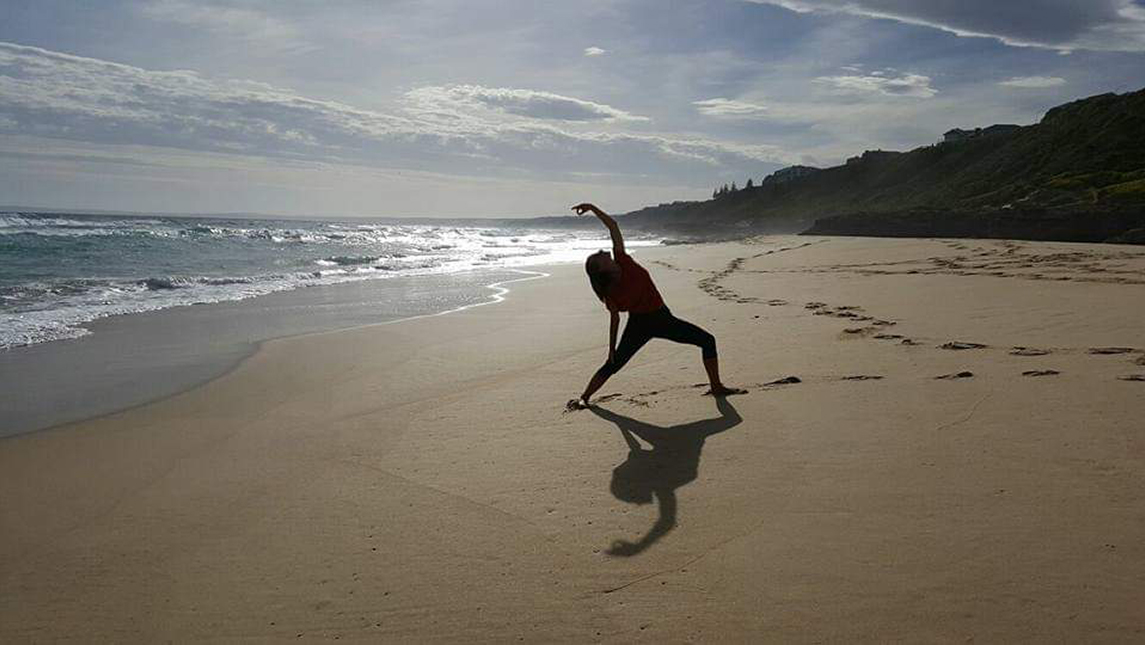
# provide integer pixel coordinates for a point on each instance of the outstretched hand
(625, 548)
(581, 209)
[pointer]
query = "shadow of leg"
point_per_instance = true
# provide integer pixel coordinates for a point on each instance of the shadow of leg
(671, 462)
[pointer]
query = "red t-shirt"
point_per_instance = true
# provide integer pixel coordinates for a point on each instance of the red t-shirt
(635, 292)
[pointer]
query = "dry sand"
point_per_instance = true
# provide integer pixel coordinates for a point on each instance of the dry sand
(419, 482)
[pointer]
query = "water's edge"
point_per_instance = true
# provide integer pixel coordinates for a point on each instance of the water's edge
(221, 365)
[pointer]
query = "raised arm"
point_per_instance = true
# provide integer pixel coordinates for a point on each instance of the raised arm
(666, 522)
(613, 227)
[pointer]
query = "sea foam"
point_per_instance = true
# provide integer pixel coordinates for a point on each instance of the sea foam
(64, 270)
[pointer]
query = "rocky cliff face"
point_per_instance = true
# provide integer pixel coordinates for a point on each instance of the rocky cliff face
(1121, 227)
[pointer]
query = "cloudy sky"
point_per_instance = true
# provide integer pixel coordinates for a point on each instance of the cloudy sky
(453, 107)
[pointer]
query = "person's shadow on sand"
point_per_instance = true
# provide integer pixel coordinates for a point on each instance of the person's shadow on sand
(672, 462)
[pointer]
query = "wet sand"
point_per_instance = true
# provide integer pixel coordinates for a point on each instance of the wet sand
(135, 359)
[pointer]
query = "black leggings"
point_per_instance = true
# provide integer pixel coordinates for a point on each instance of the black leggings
(642, 328)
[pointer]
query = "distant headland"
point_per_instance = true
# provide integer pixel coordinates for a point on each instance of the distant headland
(1077, 175)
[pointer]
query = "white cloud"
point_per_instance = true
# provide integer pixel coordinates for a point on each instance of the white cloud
(520, 102)
(882, 82)
(1102, 25)
(1033, 81)
(467, 129)
(594, 51)
(245, 23)
(729, 108)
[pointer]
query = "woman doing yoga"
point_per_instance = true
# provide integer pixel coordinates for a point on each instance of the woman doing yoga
(623, 285)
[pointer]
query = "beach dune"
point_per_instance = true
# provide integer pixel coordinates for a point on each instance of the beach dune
(959, 457)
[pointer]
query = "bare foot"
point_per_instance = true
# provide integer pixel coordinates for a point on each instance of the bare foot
(575, 404)
(723, 390)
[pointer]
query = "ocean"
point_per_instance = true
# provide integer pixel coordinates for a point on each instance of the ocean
(96, 311)
(61, 271)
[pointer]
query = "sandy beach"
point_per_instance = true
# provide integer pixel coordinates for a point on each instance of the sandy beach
(958, 458)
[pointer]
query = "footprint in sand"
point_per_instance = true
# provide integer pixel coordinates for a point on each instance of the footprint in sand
(955, 375)
(888, 336)
(1140, 360)
(862, 377)
(955, 344)
(1040, 373)
(1111, 350)
(1028, 351)
(815, 305)
(776, 302)
(786, 380)
(910, 341)
(1132, 377)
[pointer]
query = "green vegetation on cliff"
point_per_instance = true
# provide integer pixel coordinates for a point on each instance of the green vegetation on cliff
(1085, 158)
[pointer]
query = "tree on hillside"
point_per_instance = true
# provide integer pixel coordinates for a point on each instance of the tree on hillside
(749, 184)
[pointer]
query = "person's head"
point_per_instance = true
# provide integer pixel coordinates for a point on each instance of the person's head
(631, 483)
(603, 272)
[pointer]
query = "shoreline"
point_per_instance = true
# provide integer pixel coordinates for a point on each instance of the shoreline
(221, 365)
